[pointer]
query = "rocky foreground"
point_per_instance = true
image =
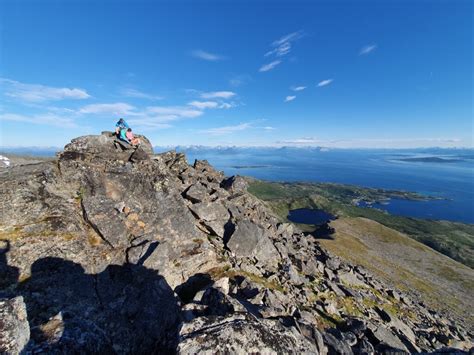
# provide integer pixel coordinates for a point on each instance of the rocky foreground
(110, 249)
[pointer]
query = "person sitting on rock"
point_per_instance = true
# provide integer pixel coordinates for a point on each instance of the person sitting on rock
(131, 138)
(121, 124)
(122, 135)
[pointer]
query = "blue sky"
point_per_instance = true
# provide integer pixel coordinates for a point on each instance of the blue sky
(330, 73)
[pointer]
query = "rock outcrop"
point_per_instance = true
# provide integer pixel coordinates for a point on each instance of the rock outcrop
(113, 249)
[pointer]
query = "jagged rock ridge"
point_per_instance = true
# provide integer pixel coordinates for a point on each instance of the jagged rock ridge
(117, 250)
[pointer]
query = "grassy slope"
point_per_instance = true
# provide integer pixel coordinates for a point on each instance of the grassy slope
(439, 281)
(455, 240)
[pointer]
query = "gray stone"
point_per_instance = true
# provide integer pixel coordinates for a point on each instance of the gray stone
(235, 184)
(336, 346)
(241, 335)
(197, 193)
(385, 336)
(364, 347)
(14, 327)
(250, 240)
(350, 279)
(214, 215)
(139, 155)
(336, 289)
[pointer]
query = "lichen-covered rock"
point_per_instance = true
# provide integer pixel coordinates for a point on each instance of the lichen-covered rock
(241, 335)
(14, 327)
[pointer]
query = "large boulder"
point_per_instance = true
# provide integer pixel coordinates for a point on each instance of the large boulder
(235, 184)
(214, 215)
(241, 335)
(250, 240)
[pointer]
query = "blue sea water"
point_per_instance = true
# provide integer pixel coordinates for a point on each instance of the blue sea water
(452, 181)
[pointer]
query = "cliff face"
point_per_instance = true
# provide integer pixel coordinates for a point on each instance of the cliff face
(116, 250)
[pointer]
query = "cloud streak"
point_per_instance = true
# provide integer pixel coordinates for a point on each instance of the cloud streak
(218, 131)
(48, 119)
(325, 82)
(218, 95)
(283, 45)
(40, 93)
(118, 108)
(210, 57)
(298, 88)
(367, 49)
(289, 98)
(203, 104)
(129, 92)
(269, 66)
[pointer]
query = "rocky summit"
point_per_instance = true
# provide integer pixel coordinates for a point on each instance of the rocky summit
(115, 249)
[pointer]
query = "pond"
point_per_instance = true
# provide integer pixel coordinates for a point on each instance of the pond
(309, 216)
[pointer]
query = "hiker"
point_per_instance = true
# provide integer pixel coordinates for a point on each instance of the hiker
(122, 135)
(131, 138)
(121, 124)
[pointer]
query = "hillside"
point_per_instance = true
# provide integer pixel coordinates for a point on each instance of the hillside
(439, 281)
(113, 249)
(453, 239)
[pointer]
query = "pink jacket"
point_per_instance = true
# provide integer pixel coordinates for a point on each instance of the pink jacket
(129, 136)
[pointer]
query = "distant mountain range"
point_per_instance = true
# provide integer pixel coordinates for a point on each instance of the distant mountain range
(463, 153)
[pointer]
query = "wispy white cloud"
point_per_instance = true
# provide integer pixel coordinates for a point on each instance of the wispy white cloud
(298, 88)
(240, 80)
(325, 82)
(48, 119)
(210, 57)
(218, 95)
(118, 108)
(227, 105)
(129, 92)
(227, 129)
(269, 66)
(269, 128)
(300, 141)
(367, 49)
(290, 98)
(282, 46)
(203, 104)
(40, 93)
(171, 113)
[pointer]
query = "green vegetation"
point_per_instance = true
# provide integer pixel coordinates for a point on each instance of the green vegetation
(227, 271)
(453, 239)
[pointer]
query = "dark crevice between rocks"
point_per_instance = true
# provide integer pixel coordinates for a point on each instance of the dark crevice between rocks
(187, 290)
(94, 227)
(229, 229)
(209, 328)
(151, 248)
